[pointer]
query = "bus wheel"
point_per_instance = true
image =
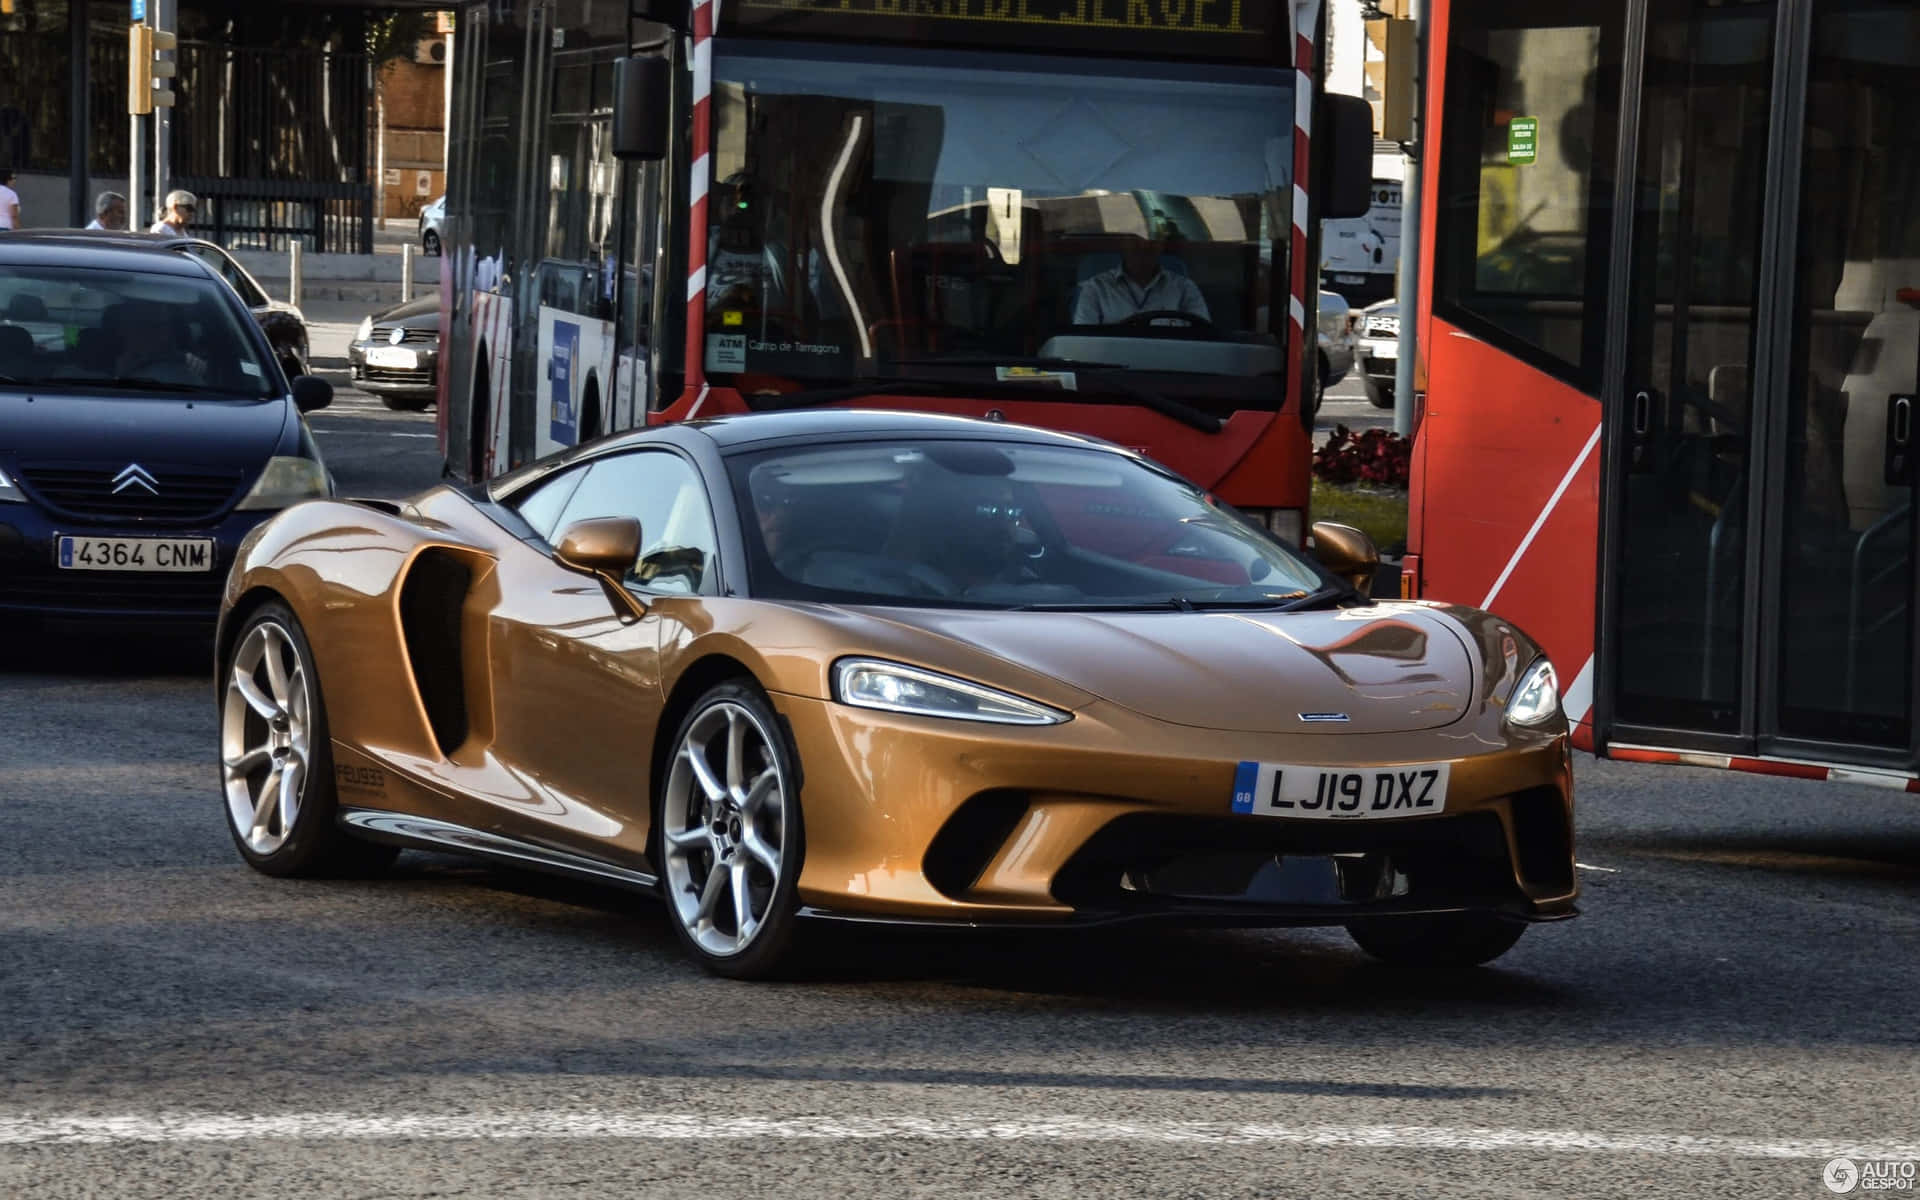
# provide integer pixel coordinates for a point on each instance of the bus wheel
(477, 421)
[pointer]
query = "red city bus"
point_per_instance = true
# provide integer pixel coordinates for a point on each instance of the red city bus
(1081, 214)
(1669, 333)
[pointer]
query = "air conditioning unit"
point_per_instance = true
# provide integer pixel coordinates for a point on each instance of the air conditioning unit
(431, 50)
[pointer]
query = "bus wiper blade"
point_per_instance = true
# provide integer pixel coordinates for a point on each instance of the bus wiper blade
(1010, 360)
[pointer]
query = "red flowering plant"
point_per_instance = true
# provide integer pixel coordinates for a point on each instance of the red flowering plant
(1379, 457)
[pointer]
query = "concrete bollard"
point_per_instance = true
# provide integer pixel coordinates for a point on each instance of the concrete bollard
(293, 273)
(406, 272)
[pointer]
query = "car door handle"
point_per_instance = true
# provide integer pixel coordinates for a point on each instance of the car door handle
(1900, 450)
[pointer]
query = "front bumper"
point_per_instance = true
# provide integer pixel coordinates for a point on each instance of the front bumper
(33, 586)
(1113, 816)
(1379, 357)
(419, 380)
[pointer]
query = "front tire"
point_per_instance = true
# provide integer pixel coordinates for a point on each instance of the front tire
(407, 403)
(430, 243)
(729, 835)
(1436, 939)
(1380, 395)
(276, 760)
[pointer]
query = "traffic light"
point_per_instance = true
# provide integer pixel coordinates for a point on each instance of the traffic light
(147, 72)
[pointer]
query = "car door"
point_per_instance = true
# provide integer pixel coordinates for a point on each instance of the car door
(577, 689)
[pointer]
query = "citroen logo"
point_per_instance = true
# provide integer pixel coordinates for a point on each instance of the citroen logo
(135, 475)
(397, 336)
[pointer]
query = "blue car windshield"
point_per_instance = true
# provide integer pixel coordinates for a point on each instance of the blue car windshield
(1000, 525)
(90, 328)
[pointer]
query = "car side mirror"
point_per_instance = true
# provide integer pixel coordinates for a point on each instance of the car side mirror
(1348, 553)
(311, 392)
(605, 548)
(642, 87)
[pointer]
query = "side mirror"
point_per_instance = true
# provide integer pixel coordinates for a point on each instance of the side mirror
(311, 392)
(1346, 180)
(642, 90)
(605, 548)
(1348, 553)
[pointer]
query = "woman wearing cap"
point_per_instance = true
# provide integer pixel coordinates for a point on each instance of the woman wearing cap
(179, 215)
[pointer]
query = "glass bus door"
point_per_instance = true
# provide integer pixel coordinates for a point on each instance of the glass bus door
(1760, 596)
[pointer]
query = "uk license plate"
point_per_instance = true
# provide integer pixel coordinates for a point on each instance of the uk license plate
(1340, 793)
(133, 554)
(393, 357)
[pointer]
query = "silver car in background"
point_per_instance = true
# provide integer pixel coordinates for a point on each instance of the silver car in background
(1335, 336)
(433, 220)
(1378, 327)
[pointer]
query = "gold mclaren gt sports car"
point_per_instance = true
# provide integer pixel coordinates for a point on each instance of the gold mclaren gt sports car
(894, 667)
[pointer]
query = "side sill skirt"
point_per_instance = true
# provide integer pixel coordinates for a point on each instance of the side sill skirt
(425, 833)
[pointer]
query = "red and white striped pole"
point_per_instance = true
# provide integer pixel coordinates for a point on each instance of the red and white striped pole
(1305, 20)
(706, 14)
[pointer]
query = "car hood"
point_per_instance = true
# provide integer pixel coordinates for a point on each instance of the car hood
(55, 426)
(423, 313)
(1386, 669)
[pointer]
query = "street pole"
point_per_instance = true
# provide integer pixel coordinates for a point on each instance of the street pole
(1410, 225)
(165, 17)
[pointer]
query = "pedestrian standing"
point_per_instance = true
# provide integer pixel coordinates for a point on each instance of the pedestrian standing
(9, 200)
(179, 213)
(109, 212)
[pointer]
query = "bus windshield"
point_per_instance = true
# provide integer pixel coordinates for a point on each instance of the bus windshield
(874, 213)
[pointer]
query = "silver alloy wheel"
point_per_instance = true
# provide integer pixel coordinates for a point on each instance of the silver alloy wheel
(265, 737)
(723, 828)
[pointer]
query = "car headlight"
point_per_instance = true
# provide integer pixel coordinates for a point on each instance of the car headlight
(287, 480)
(1537, 699)
(894, 687)
(365, 331)
(9, 492)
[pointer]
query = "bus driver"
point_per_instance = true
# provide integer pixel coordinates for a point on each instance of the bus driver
(1138, 285)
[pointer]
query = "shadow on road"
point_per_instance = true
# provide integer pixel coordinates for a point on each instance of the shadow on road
(106, 654)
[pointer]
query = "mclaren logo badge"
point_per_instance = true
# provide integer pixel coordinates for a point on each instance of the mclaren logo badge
(135, 476)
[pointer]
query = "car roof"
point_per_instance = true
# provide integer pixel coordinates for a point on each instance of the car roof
(744, 429)
(110, 250)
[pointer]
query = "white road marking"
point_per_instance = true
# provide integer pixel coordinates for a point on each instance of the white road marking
(1602, 870)
(30, 1129)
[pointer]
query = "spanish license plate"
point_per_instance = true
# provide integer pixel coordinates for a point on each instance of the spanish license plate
(1339, 793)
(1349, 278)
(396, 357)
(134, 554)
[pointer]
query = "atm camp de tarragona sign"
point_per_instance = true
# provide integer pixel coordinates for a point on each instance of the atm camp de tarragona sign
(1168, 16)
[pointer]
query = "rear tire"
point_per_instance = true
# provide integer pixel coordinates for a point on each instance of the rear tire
(407, 403)
(728, 835)
(430, 243)
(276, 771)
(1436, 939)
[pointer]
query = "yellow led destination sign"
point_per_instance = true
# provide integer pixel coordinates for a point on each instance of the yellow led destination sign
(1243, 30)
(1160, 16)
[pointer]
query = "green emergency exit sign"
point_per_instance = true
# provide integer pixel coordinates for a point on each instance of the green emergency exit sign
(1523, 140)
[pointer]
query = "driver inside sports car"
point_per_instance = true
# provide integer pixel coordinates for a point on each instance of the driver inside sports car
(1140, 284)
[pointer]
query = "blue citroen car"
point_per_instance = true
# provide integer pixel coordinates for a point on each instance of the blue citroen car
(146, 426)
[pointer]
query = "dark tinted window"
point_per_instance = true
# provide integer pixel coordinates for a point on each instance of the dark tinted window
(1527, 153)
(96, 328)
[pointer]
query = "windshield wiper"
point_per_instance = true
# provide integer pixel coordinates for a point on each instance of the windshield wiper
(1329, 596)
(130, 382)
(1107, 391)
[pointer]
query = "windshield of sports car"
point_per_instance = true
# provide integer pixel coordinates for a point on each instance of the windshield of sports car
(91, 329)
(1002, 525)
(876, 213)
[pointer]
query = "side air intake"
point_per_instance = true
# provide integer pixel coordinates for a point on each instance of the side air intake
(430, 604)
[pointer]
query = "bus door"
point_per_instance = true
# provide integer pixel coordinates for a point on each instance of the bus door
(1759, 572)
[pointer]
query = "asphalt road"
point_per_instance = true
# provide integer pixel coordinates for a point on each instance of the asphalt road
(1736, 1005)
